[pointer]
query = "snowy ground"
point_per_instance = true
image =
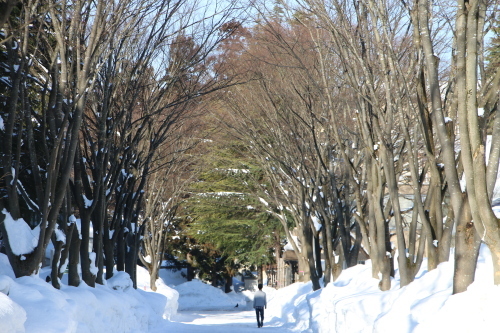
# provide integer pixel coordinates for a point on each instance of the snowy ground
(220, 322)
(352, 304)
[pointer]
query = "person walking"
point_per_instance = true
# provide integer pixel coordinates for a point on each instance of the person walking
(259, 304)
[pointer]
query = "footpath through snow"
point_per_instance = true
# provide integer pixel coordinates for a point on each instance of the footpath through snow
(220, 322)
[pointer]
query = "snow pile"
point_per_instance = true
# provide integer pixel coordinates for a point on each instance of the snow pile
(163, 294)
(198, 296)
(12, 316)
(120, 281)
(172, 277)
(351, 304)
(288, 306)
(355, 304)
(29, 304)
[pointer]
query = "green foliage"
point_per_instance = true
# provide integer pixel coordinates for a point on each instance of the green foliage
(228, 225)
(233, 224)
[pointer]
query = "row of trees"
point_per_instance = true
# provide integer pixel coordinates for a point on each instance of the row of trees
(351, 106)
(347, 107)
(100, 101)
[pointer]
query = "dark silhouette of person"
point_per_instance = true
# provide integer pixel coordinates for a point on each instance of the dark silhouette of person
(259, 304)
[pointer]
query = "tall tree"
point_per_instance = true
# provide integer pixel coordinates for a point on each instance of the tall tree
(74, 63)
(61, 46)
(226, 215)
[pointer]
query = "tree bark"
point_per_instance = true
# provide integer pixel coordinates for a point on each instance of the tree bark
(74, 258)
(467, 245)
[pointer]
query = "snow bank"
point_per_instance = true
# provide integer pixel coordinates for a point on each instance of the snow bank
(173, 277)
(165, 300)
(198, 296)
(351, 304)
(29, 304)
(288, 306)
(355, 304)
(5, 268)
(12, 316)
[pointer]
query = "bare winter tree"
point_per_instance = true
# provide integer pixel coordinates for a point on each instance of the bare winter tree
(142, 106)
(132, 72)
(56, 54)
(164, 194)
(469, 92)
(282, 112)
(374, 41)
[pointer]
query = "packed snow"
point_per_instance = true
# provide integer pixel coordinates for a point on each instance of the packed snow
(353, 303)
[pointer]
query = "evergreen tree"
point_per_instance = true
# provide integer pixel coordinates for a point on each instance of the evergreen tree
(225, 218)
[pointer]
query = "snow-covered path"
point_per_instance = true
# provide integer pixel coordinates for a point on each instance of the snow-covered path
(219, 322)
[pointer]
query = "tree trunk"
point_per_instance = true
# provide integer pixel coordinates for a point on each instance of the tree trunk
(317, 256)
(66, 249)
(228, 284)
(382, 251)
(54, 274)
(120, 248)
(98, 217)
(153, 276)
(387, 160)
(307, 241)
(109, 253)
(87, 275)
(328, 255)
(467, 245)
(74, 258)
(214, 278)
(189, 268)
(131, 257)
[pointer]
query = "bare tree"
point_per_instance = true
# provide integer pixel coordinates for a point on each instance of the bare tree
(133, 73)
(291, 138)
(164, 195)
(64, 58)
(144, 102)
(471, 206)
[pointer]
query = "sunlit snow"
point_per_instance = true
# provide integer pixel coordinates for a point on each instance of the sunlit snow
(352, 304)
(22, 238)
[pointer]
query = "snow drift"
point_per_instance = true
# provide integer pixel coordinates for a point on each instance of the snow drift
(29, 304)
